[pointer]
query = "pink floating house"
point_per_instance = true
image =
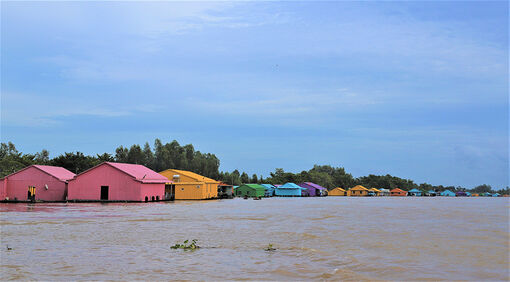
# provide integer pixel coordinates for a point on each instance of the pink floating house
(118, 182)
(36, 182)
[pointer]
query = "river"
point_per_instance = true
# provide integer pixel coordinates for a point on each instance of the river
(331, 238)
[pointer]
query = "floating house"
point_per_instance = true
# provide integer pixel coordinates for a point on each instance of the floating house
(431, 193)
(288, 190)
(269, 189)
(357, 191)
(36, 183)
(118, 182)
(374, 192)
(474, 195)
(384, 192)
(337, 192)
(312, 189)
(251, 190)
(191, 186)
(461, 194)
(397, 192)
(225, 191)
(414, 192)
(447, 193)
(496, 195)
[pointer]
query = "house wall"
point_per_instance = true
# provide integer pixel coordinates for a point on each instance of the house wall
(288, 192)
(186, 189)
(244, 190)
(149, 190)
(192, 191)
(309, 192)
(122, 187)
(16, 186)
(3, 188)
(357, 193)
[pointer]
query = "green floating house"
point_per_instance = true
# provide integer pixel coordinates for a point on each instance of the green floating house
(250, 190)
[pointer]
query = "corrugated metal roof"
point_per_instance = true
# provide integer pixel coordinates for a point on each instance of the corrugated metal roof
(60, 173)
(359, 188)
(316, 186)
(290, 185)
(398, 190)
(268, 186)
(56, 171)
(139, 172)
(193, 175)
(254, 186)
(338, 188)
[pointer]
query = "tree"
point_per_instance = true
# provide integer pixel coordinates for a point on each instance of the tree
(148, 156)
(121, 154)
(74, 162)
(254, 178)
(135, 155)
(245, 178)
(42, 157)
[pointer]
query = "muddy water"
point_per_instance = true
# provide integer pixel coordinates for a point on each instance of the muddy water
(329, 238)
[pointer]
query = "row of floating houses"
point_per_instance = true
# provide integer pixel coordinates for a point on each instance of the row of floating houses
(122, 182)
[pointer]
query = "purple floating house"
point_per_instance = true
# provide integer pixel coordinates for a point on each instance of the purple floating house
(312, 190)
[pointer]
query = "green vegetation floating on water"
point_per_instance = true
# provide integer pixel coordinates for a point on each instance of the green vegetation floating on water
(173, 155)
(187, 245)
(269, 248)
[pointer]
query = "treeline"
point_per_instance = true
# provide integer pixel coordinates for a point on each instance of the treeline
(173, 155)
(163, 156)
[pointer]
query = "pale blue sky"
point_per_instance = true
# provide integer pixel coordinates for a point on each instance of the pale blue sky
(414, 89)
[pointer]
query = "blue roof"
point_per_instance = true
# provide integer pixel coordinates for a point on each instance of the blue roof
(414, 190)
(432, 191)
(270, 186)
(290, 185)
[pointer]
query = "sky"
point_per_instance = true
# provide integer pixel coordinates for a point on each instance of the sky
(417, 90)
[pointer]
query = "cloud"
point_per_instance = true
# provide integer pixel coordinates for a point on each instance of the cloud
(44, 112)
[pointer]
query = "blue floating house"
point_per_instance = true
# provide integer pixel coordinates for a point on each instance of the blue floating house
(414, 192)
(289, 190)
(447, 193)
(468, 194)
(431, 193)
(269, 189)
(495, 195)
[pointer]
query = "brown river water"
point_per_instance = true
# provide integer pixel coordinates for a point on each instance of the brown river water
(332, 238)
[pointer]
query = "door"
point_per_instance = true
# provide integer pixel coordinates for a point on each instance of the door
(104, 193)
(31, 193)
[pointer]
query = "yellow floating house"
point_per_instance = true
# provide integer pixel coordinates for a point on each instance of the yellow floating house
(357, 191)
(337, 192)
(191, 186)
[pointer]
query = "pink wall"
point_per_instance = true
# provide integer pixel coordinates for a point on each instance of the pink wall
(152, 189)
(16, 186)
(3, 188)
(122, 187)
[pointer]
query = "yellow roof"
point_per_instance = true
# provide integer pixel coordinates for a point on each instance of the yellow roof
(359, 188)
(338, 188)
(375, 190)
(193, 175)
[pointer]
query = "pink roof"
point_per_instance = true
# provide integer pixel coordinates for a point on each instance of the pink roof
(59, 173)
(56, 171)
(140, 172)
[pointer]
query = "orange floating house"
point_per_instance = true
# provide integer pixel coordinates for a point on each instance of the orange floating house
(357, 191)
(337, 192)
(398, 192)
